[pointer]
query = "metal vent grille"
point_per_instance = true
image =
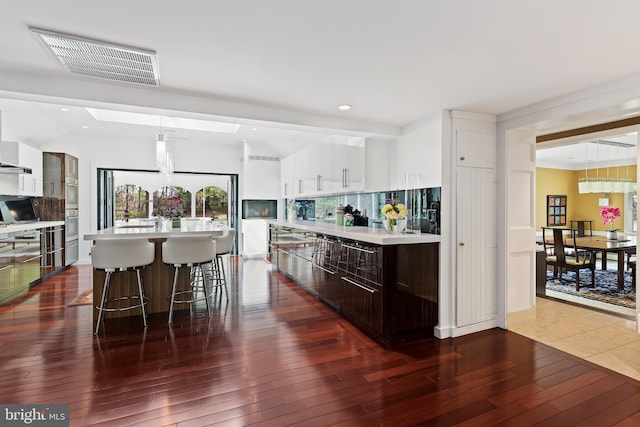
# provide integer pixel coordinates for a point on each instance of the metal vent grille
(94, 58)
(264, 158)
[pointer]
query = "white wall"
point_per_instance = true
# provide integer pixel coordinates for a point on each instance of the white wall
(261, 178)
(598, 104)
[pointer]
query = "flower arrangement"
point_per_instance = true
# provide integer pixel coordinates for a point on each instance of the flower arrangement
(608, 214)
(174, 210)
(393, 212)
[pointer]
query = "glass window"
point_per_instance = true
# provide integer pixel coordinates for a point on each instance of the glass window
(631, 212)
(132, 201)
(212, 202)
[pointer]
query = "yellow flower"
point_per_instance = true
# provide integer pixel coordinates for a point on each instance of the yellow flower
(394, 211)
(386, 209)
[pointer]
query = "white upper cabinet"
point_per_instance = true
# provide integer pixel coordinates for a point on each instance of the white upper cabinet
(320, 167)
(377, 165)
(348, 164)
(286, 177)
(302, 179)
(21, 184)
(418, 153)
(331, 166)
(475, 145)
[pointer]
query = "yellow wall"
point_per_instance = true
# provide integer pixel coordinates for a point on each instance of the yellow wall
(579, 206)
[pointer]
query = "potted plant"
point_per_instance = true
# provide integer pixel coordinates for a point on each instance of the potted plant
(608, 214)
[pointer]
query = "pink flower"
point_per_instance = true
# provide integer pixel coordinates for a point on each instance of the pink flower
(608, 214)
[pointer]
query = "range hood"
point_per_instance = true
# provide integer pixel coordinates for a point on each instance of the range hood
(6, 167)
(9, 168)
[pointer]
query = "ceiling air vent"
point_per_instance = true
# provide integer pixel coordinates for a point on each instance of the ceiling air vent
(102, 60)
(264, 158)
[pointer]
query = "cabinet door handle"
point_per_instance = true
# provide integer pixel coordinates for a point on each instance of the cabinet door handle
(300, 186)
(31, 259)
(319, 183)
(462, 158)
(461, 244)
(346, 279)
(286, 189)
(323, 268)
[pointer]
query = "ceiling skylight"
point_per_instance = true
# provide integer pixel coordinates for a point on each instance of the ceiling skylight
(162, 121)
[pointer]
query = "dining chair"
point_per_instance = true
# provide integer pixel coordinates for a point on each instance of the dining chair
(563, 255)
(631, 263)
(119, 255)
(189, 252)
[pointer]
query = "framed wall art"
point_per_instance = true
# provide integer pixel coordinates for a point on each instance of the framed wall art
(556, 210)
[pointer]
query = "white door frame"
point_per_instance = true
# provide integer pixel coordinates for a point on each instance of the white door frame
(599, 104)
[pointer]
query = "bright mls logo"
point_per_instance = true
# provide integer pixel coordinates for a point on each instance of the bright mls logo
(37, 415)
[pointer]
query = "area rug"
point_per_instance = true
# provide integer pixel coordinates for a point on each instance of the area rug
(85, 298)
(605, 290)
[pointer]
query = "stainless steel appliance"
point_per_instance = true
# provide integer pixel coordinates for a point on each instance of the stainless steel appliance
(71, 236)
(71, 193)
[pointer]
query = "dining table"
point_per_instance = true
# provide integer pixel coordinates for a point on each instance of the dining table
(625, 244)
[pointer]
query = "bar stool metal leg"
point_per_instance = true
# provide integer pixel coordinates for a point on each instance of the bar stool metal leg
(103, 300)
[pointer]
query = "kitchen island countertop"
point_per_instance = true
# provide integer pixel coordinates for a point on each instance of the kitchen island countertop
(378, 236)
(149, 229)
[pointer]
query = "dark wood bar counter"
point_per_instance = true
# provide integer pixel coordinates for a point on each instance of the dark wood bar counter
(385, 284)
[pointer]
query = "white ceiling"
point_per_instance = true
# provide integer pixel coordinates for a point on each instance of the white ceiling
(281, 64)
(612, 150)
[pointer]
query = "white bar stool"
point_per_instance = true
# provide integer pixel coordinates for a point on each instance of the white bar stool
(224, 246)
(192, 252)
(116, 255)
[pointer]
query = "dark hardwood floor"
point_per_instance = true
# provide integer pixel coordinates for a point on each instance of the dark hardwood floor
(275, 356)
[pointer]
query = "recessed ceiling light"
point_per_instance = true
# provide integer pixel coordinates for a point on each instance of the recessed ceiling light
(64, 109)
(253, 129)
(85, 127)
(344, 107)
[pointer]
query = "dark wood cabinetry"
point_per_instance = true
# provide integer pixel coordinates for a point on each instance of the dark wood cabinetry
(59, 201)
(390, 292)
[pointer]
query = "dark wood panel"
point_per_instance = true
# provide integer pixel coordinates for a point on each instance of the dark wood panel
(275, 356)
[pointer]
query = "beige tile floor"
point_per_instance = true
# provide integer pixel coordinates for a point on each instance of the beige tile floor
(607, 340)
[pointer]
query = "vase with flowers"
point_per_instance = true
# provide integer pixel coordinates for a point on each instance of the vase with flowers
(608, 214)
(395, 217)
(174, 211)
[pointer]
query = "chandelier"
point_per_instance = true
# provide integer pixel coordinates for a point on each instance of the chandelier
(606, 184)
